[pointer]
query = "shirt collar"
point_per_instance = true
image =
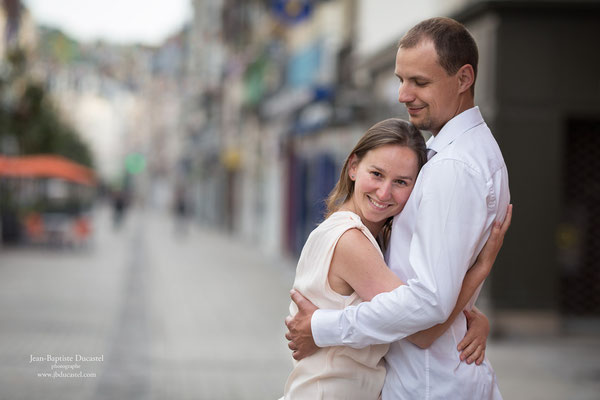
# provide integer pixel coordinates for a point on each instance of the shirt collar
(454, 128)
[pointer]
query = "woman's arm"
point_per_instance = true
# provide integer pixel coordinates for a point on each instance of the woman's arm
(358, 266)
(474, 277)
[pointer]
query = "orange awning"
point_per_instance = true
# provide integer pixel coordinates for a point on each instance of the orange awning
(46, 166)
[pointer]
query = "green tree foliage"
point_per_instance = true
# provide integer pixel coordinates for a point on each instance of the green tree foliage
(28, 115)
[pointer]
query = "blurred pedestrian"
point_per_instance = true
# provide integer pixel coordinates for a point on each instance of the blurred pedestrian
(180, 209)
(119, 203)
(459, 194)
(341, 263)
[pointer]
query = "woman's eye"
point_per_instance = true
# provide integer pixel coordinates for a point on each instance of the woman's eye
(401, 182)
(375, 173)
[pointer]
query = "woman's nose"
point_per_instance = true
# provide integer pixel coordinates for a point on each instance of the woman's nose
(384, 191)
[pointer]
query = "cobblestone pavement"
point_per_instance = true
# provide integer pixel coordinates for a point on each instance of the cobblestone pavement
(195, 315)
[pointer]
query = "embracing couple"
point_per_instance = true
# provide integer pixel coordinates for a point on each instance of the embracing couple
(359, 329)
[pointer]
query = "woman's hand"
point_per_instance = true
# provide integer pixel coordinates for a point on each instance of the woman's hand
(472, 347)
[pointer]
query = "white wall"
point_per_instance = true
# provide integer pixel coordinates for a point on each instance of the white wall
(381, 22)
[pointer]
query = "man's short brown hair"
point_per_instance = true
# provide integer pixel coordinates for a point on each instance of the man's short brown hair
(454, 44)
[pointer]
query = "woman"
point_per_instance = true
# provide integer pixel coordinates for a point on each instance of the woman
(375, 183)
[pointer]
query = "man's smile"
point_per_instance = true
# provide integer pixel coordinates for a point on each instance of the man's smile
(414, 109)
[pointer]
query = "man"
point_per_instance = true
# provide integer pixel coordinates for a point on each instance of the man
(459, 193)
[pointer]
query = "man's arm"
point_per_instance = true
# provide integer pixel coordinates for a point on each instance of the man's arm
(472, 347)
(451, 220)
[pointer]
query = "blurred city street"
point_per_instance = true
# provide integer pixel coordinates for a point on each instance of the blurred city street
(174, 316)
(178, 313)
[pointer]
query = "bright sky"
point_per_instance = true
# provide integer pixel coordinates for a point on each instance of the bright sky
(121, 21)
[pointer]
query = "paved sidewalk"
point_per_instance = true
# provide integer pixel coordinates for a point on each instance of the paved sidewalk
(219, 317)
(559, 368)
(194, 316)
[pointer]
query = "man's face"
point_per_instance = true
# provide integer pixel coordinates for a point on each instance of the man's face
(430, 95)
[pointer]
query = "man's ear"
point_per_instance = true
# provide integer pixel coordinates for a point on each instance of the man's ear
(466, 78)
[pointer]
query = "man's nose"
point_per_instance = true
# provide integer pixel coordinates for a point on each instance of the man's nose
(405, 94)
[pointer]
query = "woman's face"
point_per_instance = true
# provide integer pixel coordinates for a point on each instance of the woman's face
(383, 181)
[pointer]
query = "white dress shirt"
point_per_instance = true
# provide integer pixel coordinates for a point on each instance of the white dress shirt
(437, 237)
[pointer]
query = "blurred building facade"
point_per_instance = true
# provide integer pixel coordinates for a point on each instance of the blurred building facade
(125, 101)
(17, 27)
(278, 92)
(266, 74)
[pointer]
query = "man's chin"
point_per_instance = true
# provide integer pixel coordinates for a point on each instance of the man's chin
(420, 124)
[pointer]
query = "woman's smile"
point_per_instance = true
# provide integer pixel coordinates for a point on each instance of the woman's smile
(377, 204)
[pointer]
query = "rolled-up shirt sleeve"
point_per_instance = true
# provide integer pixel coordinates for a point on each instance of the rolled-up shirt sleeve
(451, 221)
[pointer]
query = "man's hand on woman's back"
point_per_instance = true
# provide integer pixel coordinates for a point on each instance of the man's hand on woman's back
(299, 332)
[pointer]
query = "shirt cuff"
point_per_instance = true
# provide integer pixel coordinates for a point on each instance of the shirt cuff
(325, 328)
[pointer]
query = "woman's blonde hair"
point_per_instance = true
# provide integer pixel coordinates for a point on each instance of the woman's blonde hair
(392, 131)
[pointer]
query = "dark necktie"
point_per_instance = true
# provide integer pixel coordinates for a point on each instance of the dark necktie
(430, 153)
